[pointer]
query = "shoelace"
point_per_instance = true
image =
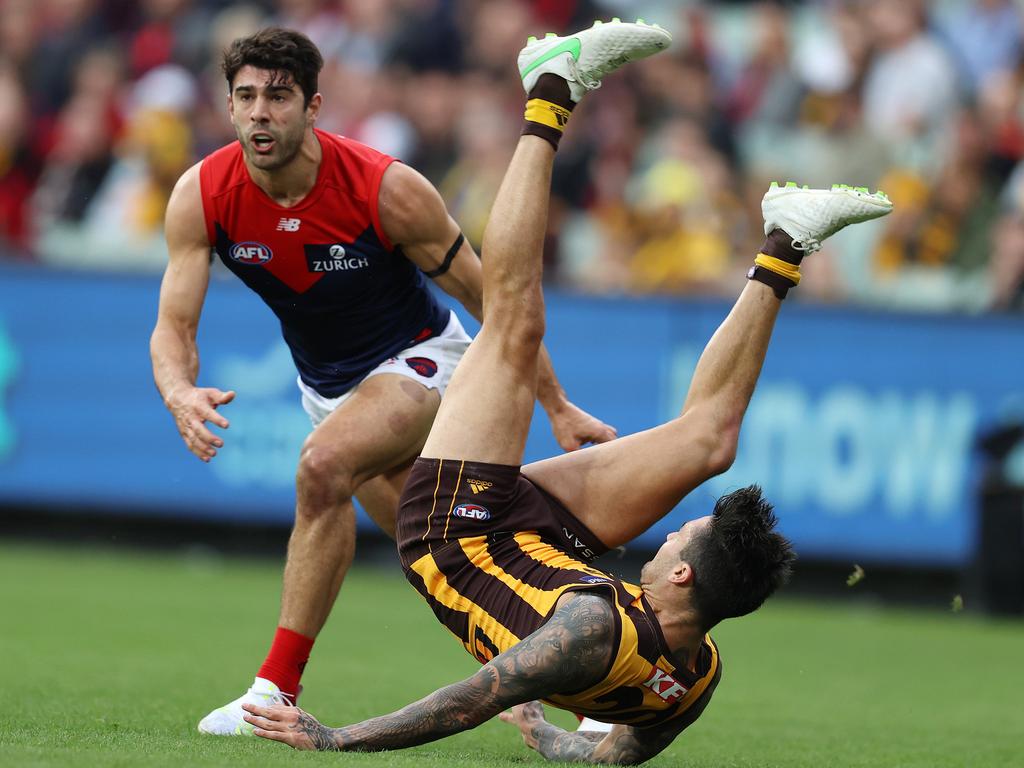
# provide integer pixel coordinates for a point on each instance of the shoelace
(810, 245)
(591, 84)
(288, 699)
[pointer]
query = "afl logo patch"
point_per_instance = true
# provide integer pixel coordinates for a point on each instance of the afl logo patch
(251, 253)
(424, 366)
(472, 512)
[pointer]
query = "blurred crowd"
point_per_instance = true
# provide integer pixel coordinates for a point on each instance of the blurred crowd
(103, 104)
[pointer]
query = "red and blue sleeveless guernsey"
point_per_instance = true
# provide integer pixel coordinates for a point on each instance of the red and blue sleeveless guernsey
(346, 297)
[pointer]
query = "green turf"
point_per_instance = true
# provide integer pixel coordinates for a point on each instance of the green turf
(108, 659)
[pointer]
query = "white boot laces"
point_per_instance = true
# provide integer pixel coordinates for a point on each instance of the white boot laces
(810, 245)
(280, 697)
(590, 83)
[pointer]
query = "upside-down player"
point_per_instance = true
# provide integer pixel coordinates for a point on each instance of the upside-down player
(502, 552)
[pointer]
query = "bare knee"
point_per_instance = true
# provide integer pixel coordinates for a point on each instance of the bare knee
(519, 322)
(723, 449)
(324, 480)
(713, 439)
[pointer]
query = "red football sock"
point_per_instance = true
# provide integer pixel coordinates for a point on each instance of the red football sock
(286, 660)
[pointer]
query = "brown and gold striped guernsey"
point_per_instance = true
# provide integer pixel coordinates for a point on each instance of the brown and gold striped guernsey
(492, 553)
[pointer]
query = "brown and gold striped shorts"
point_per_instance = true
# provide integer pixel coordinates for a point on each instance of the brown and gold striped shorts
(490, 551)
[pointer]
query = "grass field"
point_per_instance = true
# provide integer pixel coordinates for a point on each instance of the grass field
(109, 659)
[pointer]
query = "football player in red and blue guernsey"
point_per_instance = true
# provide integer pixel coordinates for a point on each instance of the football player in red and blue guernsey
(337, 239)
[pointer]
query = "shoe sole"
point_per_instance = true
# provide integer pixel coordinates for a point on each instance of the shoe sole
(861, 194)
(239, 731)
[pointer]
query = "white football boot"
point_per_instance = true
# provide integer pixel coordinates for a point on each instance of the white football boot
(227, 721)
(585, 57)
(809, 216)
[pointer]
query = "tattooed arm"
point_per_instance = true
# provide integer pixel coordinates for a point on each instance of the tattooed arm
(570, 652)
(623, 745)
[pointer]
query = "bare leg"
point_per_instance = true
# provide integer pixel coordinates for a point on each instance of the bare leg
(486, 411)
(382, 425)
(368, 443)
(379, 496)
(620, 489)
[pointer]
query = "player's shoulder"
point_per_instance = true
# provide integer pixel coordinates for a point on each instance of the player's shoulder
(411, 209)
(587, 613)
(406, 188)
(352, 166)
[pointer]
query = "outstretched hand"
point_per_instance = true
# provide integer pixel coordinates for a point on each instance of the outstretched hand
(191, 410)
(290, 725)
(525, 717)
(574, 428)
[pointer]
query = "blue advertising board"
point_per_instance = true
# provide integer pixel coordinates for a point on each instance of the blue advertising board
(862, 430)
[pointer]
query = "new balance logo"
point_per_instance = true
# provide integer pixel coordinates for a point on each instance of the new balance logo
(288, 225)
(479, 486)
(663, 684)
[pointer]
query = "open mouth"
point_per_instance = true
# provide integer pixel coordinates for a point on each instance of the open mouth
(263, 143)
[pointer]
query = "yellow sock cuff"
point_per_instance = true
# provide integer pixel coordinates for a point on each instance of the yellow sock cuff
(547, 113)
(779, 267)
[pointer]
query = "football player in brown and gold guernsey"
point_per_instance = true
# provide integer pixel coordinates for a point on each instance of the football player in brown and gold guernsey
(502, 553)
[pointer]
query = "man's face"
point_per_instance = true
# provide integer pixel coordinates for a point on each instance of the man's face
(269, 116)
(668, 556)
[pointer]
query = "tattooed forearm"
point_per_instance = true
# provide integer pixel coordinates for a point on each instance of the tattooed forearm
(556, 744)
(450, 710)
(321, 736)
(572, 650)
(622, 746)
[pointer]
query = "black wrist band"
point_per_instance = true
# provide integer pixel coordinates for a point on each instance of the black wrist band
(773, 280)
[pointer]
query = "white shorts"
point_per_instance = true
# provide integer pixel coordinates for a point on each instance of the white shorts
(430, 362)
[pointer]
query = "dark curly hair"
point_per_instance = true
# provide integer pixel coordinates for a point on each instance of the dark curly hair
(739, 560)
(283, 52)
